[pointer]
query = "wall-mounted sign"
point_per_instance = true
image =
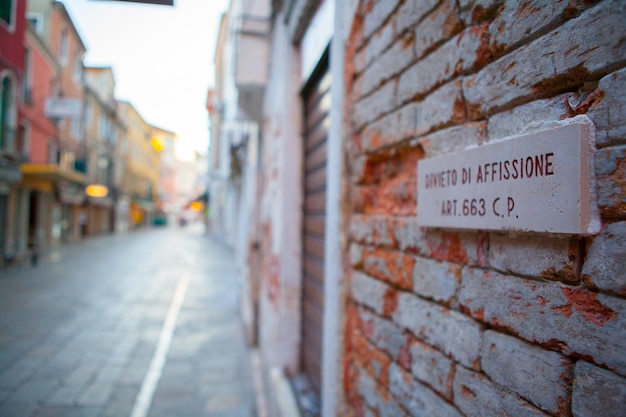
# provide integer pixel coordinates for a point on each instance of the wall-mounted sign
(540, 182)
(62, 107)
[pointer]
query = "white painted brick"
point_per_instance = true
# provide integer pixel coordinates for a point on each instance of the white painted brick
(436, 279)
(356, 255)
(369, 291)
(392, 62)
(384, 334)
(413, 11)
(540, 376)
(451, 332)
(371, 230)
(609, 115)
(377, 44)
(610, 168)
(453, 139)
(605, 264)
(385, 407)
(529, 117)
(454, 57)
(416, 398)
(431, 367)
(375, 105)
(476, 11)
(597, 392)
(574, 320)
(377, 16)
(521, 20)
(441, 108)
(476, 396)
(472, 246)
(409, 236)
(437, 27)
(554, 259)
(581, 48)
(389, 130)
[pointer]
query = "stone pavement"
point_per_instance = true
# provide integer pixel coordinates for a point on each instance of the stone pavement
(80, 333)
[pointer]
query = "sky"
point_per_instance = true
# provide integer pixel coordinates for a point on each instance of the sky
(162, 58)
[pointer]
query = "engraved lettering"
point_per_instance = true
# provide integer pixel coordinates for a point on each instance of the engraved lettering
(549, 166)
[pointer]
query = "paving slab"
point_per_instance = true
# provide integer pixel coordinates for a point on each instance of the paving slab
(81, 331)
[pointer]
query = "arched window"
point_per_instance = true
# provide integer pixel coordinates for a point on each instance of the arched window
(8, 110)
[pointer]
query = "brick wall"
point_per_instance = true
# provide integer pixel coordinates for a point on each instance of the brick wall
(450, 323)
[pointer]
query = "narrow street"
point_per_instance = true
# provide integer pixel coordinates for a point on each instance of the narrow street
(145, 324)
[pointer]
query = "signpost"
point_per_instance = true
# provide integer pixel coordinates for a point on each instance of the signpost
(540, 182)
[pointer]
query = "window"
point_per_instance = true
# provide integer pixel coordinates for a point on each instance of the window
(67, 160)
(78, 66)
(113, 134)
(64, 47)
(88, 114)
(53, 151)
(6, 12)
(8, 111)
(55, 87)
(23, 140)
(27, 86)
(36, 21)
(75, 129)
(102, 127)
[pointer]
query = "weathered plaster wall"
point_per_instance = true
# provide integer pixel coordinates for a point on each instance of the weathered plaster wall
(280, 208)
(442, 322)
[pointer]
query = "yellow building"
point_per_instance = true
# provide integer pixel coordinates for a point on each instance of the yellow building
(141, 178)
(166, 140)
(102, 131)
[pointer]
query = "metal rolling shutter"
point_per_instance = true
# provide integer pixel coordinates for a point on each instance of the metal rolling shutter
(316, 98)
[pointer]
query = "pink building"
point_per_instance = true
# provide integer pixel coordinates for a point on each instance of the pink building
(37, 142)
(12, 24)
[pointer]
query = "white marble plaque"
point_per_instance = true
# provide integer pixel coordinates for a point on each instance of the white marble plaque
(539, 182)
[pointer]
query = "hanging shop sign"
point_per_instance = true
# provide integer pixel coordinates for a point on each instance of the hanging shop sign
(540, 182)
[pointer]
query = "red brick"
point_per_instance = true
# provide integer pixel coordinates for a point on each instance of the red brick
(395, 184)
(392, 267)
(571, 320)
(582, 49)
(610, 164)
(461, 247)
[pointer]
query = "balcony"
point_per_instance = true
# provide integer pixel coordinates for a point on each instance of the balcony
(252, 49)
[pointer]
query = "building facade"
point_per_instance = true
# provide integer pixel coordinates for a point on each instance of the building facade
(38, 139)
(12, 27)
(166, 141)
(102, 131)
(142, 174)
(65, 107)
(371, 302)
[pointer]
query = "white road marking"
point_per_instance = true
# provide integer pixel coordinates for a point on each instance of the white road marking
(150, 381)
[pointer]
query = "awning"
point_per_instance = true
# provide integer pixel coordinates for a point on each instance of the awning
(52, 172)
